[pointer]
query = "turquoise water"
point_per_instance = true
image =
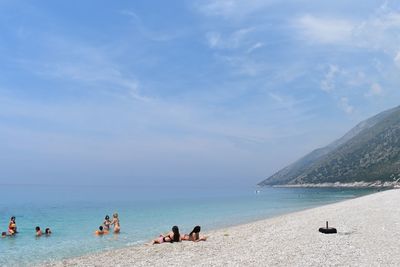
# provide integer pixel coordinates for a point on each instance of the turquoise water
(74, 213)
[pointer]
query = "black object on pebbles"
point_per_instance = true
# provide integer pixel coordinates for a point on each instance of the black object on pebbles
(327, 229)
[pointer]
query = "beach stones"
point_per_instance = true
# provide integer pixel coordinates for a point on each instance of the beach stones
(327, 229)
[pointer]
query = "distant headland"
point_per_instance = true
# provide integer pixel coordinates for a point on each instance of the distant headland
(367, 156)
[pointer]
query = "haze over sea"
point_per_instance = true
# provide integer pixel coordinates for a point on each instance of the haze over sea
(75, 212)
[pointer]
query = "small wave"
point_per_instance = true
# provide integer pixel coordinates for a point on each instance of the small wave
(129, 244)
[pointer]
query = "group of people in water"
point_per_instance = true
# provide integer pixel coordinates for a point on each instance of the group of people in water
(12, 229)
(171, 237)
(47, 231)
(105, 227)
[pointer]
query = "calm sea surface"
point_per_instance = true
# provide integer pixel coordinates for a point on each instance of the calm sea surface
(74, 213)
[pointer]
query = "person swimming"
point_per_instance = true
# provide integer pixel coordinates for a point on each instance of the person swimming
(115, 223)
(47, 231)
(171, 237)
(38, 231)
(194, 235)
(3, 234)
(101, 231)
(12, 226)
(107, 223)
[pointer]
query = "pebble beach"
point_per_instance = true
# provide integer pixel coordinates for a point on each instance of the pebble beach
(368, 235)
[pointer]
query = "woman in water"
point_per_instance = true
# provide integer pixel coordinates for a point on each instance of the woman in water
(173, 236)
(47, 231)
(12, 226)
(194, 235)
(115, 222)
(38, 231)
(107, 223)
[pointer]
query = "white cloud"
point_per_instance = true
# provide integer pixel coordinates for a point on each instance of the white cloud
(243, 65)
(324, 30)
(234, 40)
(357, 78)
(375, 90)
(231, 9)
(328, 83)
(380, 32)
(345, 105)
(254, 47)
(377, 32)
(145, 31)
(213, 39)
(397, 59)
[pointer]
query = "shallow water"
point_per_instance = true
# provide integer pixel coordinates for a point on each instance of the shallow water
(74, 213)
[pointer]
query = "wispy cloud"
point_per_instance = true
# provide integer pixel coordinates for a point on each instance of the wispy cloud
(231, 9)
(397, 59)
(86, 65)
(243, 65)
(345, 105)
(231, 41)
(145, 31)
(254, 47)
(375, 90)
(357, 78)
(328, 83)
(324, 30)
(377, 32)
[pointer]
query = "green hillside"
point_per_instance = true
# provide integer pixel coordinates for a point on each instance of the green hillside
(369, 152)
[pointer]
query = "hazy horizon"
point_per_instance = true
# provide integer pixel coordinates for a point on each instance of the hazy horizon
(191, 93)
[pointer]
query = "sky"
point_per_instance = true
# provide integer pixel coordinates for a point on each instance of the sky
(209, 92)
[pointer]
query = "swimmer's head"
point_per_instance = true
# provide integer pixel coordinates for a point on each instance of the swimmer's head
(107, 217)
(47, 231)
(101, 228)
(12, 218)
(37, 228)
(3, 234)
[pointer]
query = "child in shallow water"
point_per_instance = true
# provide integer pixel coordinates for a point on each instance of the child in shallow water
(101, 231)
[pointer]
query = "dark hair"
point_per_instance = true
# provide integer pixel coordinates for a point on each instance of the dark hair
(3, 233)
(101, 228)
(107, 217)
(195, 230)
(37, 228)
(47, 231)
(12, 218)
(175, 230)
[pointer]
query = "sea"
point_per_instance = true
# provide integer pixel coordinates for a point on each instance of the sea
(74, 213)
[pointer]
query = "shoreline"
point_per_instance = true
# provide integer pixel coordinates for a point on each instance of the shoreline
(278, 240)
(355, 185)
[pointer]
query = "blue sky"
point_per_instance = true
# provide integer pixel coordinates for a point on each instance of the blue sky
(183, 92)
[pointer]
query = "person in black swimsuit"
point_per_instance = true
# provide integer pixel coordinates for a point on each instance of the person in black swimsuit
(171, 237)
